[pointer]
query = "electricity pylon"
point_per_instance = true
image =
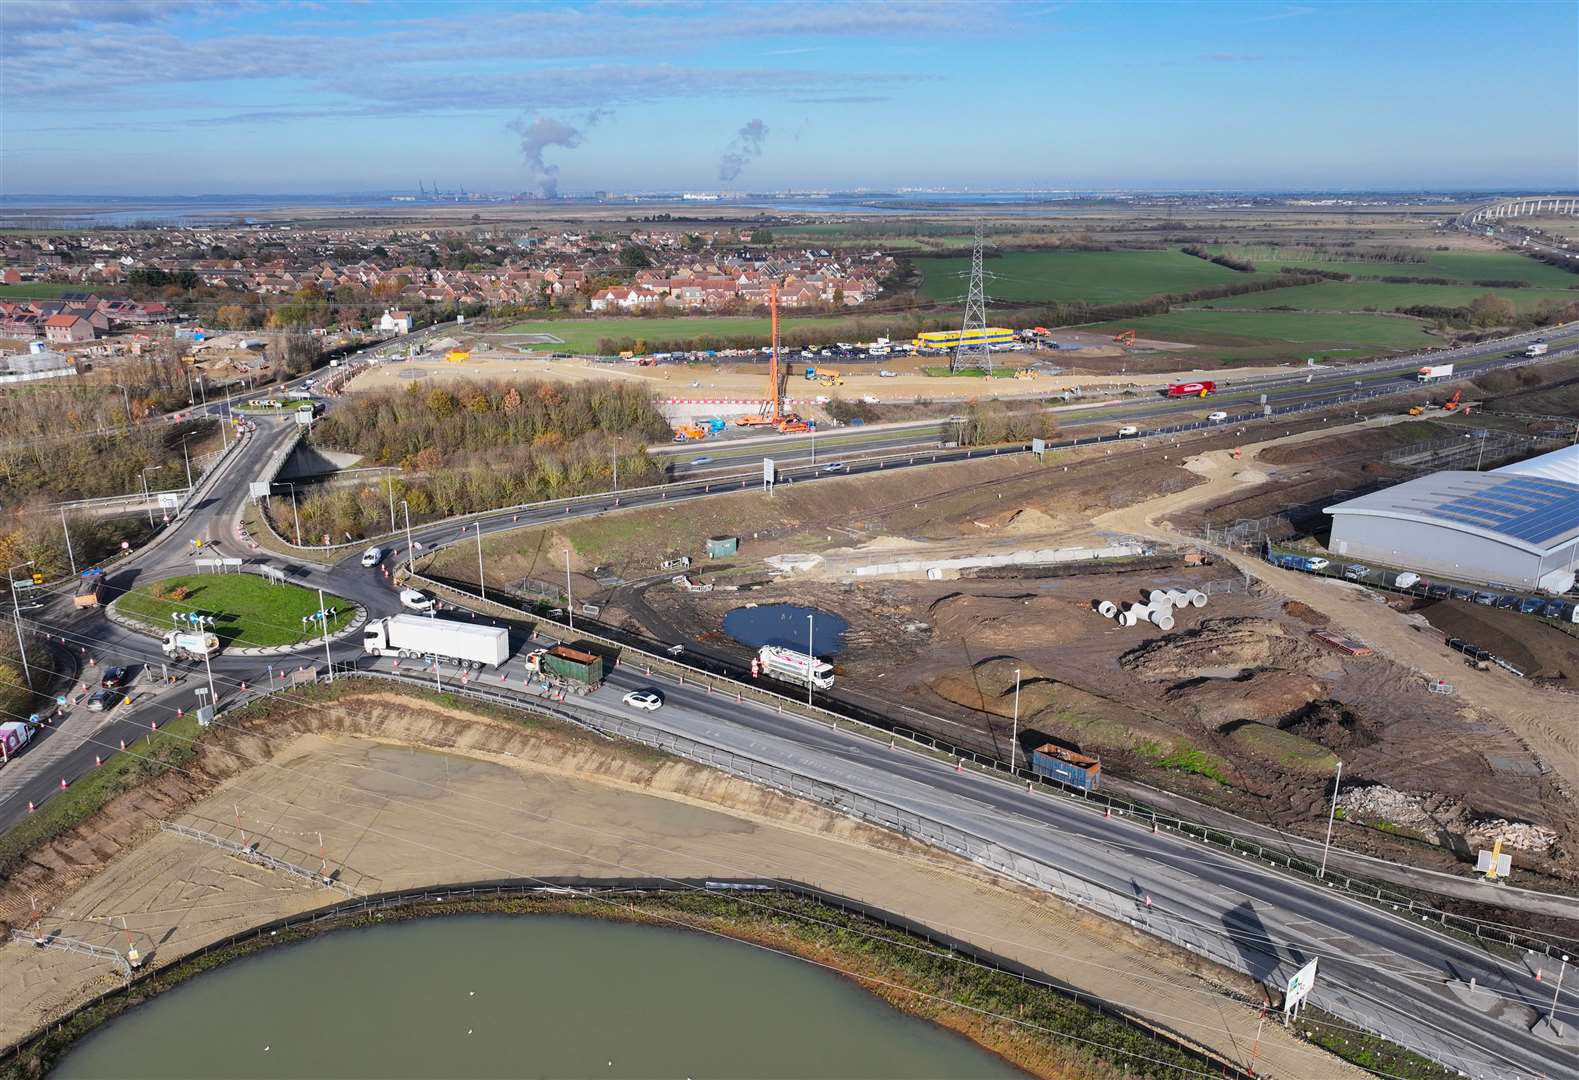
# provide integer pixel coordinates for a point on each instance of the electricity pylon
(973, 353)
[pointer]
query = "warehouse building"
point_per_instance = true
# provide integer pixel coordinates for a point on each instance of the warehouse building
(1517, 526)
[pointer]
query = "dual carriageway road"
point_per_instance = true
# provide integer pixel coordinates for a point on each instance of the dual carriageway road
(1384, 972)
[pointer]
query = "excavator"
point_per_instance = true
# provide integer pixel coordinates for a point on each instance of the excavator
(1125, 338)
(1453, 402)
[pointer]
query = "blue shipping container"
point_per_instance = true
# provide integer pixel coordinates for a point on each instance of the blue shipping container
(1066, 766)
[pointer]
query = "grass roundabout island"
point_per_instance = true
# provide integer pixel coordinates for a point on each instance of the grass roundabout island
(248, 611)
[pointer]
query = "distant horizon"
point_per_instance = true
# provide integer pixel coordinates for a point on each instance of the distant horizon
(161, 97)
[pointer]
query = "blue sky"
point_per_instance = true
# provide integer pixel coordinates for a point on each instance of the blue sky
(172, 96)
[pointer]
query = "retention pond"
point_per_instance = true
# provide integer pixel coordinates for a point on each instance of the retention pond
(502, 996)
(785, 625)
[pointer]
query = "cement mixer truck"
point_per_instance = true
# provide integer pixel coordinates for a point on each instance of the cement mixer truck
(189, 645)
(790, 666)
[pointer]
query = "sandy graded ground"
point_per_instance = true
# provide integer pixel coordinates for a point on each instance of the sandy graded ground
(739, 381)
(508, 802)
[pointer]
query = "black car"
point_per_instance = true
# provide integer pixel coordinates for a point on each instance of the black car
(1531, 606)
(116, 678)
(104, 700)
(1508, 603)
(1554, 610)
(1439, 592)
(1463, 594)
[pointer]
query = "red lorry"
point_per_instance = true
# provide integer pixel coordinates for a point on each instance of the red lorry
(1192, 389)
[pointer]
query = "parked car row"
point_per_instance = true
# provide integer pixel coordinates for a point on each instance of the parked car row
(1407, 581)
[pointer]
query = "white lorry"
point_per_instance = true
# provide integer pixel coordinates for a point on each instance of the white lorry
(189, 645)
(792, 667)
(1434, 372)
(1538, 349)
(13, 736)
(417, 636)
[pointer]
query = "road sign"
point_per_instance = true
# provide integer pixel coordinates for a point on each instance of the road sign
(169, 500)
(1038, 447)
(1493, 864)
(273, 573)
(258, 489)
(1300, 985)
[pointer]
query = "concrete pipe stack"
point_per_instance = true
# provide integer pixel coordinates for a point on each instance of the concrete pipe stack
(1178, 597)
(1197, 598)
(1161, 619)
(1107, 609)
(1156, 596)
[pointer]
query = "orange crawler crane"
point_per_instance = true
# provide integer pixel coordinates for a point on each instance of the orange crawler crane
(772, 414)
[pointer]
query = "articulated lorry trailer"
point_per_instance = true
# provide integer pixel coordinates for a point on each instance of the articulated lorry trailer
(567, 663)
(1433, 372)
(419, 637)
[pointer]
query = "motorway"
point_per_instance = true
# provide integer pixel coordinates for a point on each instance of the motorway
(1376, 968)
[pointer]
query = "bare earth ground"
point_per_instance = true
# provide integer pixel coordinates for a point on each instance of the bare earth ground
(1547, 721)
(509, 801)
(732, 381)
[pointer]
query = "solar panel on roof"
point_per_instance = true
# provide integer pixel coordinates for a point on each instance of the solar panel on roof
(1526, 508)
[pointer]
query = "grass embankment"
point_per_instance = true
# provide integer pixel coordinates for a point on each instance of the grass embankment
(248, 610)
(1291, 751)
(583, 335)
(973, 373)
(1096, 277)
(1033, 1026)
(1362, 296)
(169, 747)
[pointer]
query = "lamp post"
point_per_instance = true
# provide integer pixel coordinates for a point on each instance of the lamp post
(1551, 1015)
(411, 555)
(482, 586)
(811, 657)
(147, 498)
(327, 658)
(126, 399)
(391, 478)
(16, 616)
(1331, 814)
(570, 601)
(1014, 737)
(187, 457)
(67, 530)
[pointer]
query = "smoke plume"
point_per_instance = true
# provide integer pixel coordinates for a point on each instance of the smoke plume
(542, 132)
(743, 149)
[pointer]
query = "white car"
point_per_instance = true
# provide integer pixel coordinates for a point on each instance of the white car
(1317, 564)
(416, 600)
(1127, 430)
(886, 374)
(643, 699)
(1217, 418)
(372, 556)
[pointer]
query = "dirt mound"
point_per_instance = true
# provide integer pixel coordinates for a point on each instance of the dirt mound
(1538, 650)
(1268, 694)
(1441, 819)
(1305, 614)
(1030, 522)
(1220, 649)
(1282, 748)
(1333, 725)
(1003, 621)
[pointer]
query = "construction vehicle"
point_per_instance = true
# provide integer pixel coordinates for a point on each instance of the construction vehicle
(690, 433)
(790, 424)
(1417, 410)
(186, 645)
(1025, 373)
(829, 378)
(791, 666)
(1124, 337)
(755, 420)
(1453, 402)
(713, 424)
(572, 665)
(90, 589)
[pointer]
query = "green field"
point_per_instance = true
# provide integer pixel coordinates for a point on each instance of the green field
(1245, 336)
(1098, 277)
(1381, 296)
(45, 290)
(583, 335)
(249, 611)
(1465, 266)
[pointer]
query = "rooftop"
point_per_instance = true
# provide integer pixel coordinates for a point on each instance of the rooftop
(1558, 465)
(1532, 512)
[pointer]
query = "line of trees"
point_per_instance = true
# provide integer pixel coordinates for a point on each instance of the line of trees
(426, 427)
(1243, 266)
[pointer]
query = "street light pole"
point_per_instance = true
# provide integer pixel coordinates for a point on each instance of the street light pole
(296, 514)
(213, 698)
(811, 657)
(67, 530)
(187, 457)
(1551, 1015)
(391, 478)
(482, 586)
(411, 555)
(16, 616)
(126, 399)
(570, 600)
(1014, 737)
(1331, 814)
(148, 498)
(324, 611)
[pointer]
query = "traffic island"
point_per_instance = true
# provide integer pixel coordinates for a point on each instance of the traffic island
(250, 615)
